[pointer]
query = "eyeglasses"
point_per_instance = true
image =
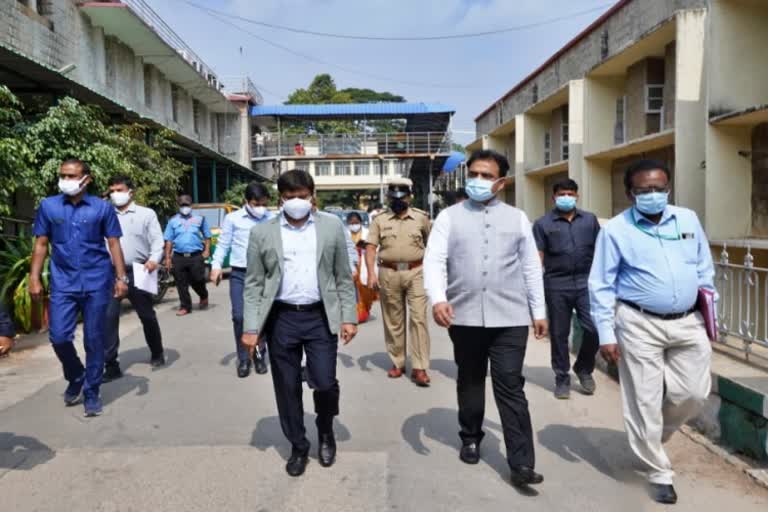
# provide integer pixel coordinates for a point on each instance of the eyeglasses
(649, 190)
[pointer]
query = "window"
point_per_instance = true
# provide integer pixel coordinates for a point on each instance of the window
(196, 116)
(148, 85)
(499, 113)
(564, 134)
(175, 102)
(654, 98)
(322, 168)
(535, 93)
(604, 45)
(363, 168)
(301, 166)
(547, 147)
(343, 168)
(620, 128)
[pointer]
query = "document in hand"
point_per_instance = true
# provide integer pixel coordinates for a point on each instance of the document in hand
(706, 305)
(144, 280)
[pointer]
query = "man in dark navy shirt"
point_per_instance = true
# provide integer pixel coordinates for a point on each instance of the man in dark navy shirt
(566, 239)
(82, 277)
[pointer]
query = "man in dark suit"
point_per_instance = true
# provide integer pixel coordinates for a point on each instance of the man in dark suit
(299, 293)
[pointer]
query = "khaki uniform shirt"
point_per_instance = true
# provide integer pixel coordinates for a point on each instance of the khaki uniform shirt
(400, 239)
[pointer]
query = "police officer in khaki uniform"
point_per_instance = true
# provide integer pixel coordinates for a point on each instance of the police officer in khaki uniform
(400, 234)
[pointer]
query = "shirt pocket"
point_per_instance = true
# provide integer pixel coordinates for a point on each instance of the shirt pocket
(60, 230)
(417, 240)
(89, 227)
(690, 250)
(558, 241)
(508, 242)
(387, 239)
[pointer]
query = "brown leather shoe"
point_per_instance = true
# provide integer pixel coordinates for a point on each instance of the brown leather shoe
(182, 312)
(420, 378)
(395, 372)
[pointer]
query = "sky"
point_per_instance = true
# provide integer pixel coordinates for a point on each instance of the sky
(467, 74)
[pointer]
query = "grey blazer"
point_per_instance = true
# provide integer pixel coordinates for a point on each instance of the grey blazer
(265, 273)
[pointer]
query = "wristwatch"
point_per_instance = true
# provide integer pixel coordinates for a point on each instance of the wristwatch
(123, 279)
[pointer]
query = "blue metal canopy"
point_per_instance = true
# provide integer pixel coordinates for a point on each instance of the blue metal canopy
(453, 161)
(352, 110)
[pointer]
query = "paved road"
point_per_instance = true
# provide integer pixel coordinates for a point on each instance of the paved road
(193, 437)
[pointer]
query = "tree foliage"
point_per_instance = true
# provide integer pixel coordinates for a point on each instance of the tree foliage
(31, 150)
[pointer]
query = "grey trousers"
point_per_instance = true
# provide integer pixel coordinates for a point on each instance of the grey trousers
(665, 378)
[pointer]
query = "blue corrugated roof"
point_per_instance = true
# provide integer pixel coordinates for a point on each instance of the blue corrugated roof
(352, 109)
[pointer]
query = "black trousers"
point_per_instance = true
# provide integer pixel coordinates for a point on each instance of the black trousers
(186, 272)
(505, 347)
(142, 304)
(560, 306)
(289, 333)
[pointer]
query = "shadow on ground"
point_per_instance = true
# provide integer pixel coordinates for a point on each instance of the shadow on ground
(380, 360)
(22, 452)
(133, 384)
(268, 434)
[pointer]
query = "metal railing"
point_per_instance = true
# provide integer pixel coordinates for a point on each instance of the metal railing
(742, 311)
(241, 85)
(272, 145)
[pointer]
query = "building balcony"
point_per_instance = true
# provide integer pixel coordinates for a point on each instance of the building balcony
(274, 146)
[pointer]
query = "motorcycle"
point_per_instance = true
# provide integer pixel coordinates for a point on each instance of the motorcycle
(164, 282)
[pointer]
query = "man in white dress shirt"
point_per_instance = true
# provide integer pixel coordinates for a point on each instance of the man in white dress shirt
(484, 278)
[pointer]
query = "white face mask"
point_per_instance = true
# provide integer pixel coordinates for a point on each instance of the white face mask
(256, 211)
(185, 210)
(72, 187)
(355, 228)
(297, 208)
(120, 198)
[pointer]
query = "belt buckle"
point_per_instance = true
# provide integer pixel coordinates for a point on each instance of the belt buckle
(187, 254)
(402, 266)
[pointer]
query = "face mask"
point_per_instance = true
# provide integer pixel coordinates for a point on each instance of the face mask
(297, 208)
(652, 203)
(72, 187)
(256, 211)
(480, 190)
(355, 228)
(565, 203)
(120, 198)
(185, 210)
(398, 206)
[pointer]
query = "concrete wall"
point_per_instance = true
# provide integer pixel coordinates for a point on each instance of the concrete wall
(64, 35)
(728, 178)
(760, 181)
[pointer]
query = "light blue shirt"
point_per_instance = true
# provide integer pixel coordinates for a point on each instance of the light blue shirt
(234, 236)
(299, 284)
(658, 267)
(187, 234)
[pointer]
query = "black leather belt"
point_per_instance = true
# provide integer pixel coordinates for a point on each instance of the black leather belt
(663, 316)
(284, 306)
(239, 269)
(188, 254)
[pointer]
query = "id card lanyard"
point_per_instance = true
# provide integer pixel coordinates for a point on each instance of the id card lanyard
(658, 235)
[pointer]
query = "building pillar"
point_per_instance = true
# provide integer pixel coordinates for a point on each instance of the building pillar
(195, 194)
(576, 131)
(529, 190)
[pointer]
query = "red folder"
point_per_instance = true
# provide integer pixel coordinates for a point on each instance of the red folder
(705, 303)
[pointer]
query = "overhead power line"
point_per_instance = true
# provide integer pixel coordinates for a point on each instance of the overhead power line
(330, 64)
(466, 35)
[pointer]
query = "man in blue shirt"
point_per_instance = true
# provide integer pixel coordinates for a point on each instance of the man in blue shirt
(235, 233)
(187, 246)
(7, 331)
(82, 277)
(650, 262)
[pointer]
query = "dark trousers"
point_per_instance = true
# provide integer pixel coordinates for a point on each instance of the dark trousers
(505, 347)
(236, 297)
(186, 272)
(560, 306)
(65, 307)
(288, 334)
(142, 304)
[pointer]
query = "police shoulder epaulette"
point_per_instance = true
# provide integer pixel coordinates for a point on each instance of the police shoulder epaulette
(420, 211)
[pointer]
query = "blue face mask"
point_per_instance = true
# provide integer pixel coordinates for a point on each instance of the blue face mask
(479, 190)
(651, 203)
(565, 203)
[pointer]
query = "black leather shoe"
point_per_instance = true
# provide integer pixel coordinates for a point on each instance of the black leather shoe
(157, 361)
(523, 475)
(244, 368)
(663, 493)
(326, 452)
(260, 362)
(112, 372)
(470, 453)
(297, 463)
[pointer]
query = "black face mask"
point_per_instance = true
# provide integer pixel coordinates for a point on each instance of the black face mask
(398, 206)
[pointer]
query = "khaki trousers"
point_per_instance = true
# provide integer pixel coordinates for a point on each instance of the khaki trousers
(665, 378)
(399, 287)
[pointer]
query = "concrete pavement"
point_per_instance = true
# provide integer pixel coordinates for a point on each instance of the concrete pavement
(192, 437)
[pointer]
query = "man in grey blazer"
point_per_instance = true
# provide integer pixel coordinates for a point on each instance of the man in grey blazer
(300, 296)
